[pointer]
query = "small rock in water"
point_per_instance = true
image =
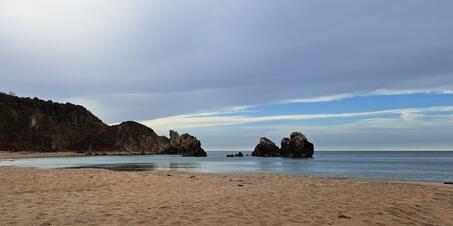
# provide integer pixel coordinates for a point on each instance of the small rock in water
(239, 155)
(448, 182)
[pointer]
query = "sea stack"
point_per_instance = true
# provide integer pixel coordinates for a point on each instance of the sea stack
(297, 145)
(266, 148)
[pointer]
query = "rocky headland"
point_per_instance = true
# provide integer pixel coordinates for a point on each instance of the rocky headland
(297, 145)
(34, 125)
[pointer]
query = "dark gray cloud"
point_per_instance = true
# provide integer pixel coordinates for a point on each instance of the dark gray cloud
(148, 59)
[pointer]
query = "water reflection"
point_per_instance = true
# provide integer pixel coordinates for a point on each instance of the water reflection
(120, 167)
(177, 166)
(184, 166)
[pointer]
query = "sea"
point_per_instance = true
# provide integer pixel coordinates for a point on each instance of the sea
(429, 166)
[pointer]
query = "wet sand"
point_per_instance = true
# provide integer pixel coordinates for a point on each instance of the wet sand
(104, 197)
(24, 154)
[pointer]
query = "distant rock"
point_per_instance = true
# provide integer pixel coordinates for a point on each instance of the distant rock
(266, 148)
(295, 146)
(239, 154)
(44, 126)
(186, 145)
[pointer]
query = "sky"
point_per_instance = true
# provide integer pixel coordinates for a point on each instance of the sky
(351, 74)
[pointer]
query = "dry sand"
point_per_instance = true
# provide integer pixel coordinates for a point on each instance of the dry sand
(104, 197)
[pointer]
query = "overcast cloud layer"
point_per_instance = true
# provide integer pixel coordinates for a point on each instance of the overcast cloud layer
(162, 58)
(145, 60)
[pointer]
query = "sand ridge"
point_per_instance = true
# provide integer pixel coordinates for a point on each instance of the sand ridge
(104, 197)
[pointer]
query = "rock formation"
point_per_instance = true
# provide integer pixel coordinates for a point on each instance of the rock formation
(128, 136)
(239, 154)
(185, 144)
(266, 148)
(44, 126)
(295, 146)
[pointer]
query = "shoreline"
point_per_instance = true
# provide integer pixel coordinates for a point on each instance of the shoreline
(423, 183)
(25, 154)
(6, 155)
(105, 197)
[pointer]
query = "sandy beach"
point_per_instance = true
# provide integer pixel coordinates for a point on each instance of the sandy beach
(104, 197)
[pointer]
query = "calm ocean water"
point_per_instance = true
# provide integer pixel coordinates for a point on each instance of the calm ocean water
(410, 166)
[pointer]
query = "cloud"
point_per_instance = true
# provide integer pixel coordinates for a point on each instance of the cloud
(153, 59)
(379, 92)
(322, 98)
(212, 120)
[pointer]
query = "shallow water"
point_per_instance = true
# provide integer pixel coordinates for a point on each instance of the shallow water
(410, 166)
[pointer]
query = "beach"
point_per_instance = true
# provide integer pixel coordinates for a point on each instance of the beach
(104, 197)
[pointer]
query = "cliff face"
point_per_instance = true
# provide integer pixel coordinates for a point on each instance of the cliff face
(43, 126)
